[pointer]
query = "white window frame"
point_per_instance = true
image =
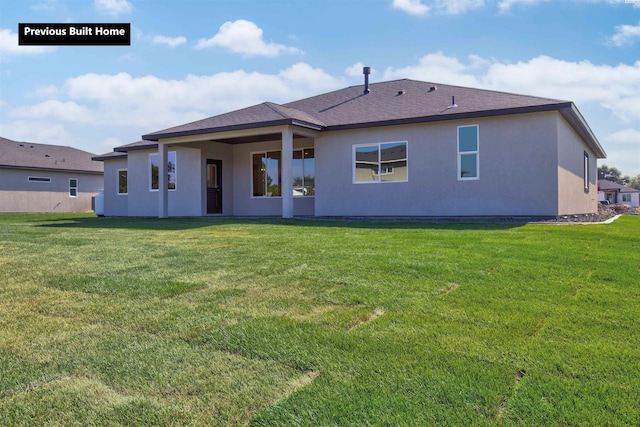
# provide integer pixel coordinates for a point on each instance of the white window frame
(462, 153)
(586, 172)
(73, 187)
(314, 174)
(626, 198)
(149, 169)
(118, 182)
(379, 181)
(39, 179)
(276, 151)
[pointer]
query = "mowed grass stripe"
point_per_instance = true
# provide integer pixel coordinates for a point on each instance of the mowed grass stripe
(274, 322)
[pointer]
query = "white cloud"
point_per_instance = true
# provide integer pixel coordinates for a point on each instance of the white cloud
(355, 70)
(456, 7)
(614, 87)
(245, 37)
(169, 41)
(505, 5)
(9, 45)
(623, 151)
(447, 7)
(437, 67)
(113, 7)
(56, 110)
(413, 7)
(626, 35)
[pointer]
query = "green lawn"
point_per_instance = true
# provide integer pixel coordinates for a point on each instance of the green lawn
(270, 322)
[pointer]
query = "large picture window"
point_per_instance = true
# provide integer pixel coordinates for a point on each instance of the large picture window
(468, 151)
(382, 162)
(154, 167)
(122, 181)
(266, 172)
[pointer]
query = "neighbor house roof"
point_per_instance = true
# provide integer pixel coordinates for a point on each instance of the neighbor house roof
(388, 103)
(29, 155)
(606, 185)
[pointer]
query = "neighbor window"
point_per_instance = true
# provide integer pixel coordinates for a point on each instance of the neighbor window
(39, 179)
(586, 172)
(626, 198)
(154, 167)
(73, 187)
(122, 181)
(266, 173)
(468, 151)
(383, 162)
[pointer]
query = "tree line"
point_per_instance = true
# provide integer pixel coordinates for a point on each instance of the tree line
(615, 175)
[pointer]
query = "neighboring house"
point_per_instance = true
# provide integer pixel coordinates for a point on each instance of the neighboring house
(397, 148)
(47, 178)
(616, 193)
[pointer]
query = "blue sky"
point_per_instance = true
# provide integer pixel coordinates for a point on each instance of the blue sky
(191, 59)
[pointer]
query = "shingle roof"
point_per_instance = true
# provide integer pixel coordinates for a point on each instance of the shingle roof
(389, 103)
(29, 155)
(606, 185)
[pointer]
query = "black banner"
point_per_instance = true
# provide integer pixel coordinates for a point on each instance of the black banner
(74, 34)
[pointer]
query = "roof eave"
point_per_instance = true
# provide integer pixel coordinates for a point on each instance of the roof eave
(243, 126)
(577, 121)
(454, 116)
(52, 169)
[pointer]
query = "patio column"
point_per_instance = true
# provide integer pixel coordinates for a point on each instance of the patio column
(163, 181)
(287, 184)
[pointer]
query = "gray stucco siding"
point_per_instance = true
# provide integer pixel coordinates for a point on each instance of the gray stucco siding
(185, 200)
(115, 204)
(18, 194)
(572, 199)
(517, 164)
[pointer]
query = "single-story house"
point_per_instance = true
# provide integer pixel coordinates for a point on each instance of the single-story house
(616, 193)
(395, 148)
(47, 178)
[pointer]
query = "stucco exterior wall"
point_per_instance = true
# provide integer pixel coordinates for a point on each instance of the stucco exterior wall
(572, 199)
(18, 195)
(517, 170)
(115, 204)
(185, 200)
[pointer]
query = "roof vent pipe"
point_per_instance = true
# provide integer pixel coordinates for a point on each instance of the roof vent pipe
(366, 71)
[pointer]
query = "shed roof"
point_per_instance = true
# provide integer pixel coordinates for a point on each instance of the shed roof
(29, 155)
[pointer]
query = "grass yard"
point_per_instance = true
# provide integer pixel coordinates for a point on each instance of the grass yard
(270, 322)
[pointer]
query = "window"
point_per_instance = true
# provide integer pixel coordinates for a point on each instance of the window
(626, 198)
(383, 162)
(304, 175)
(468, 151)
(266, 172)
(154, 167)
(73, 187)
(39, 179)
(122, 181)
(586, 172)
